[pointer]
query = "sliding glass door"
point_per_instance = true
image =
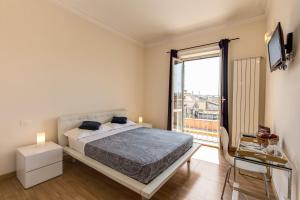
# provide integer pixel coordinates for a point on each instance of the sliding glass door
(177, 95)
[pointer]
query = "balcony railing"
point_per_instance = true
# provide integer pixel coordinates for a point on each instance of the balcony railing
(202, 129)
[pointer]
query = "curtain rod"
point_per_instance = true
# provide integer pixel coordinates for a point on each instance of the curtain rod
(202, 45)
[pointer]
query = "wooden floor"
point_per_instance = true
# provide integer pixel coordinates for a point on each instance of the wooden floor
(204, 181)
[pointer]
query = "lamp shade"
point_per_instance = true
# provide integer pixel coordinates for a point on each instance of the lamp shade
(40, 138)
(140, 119)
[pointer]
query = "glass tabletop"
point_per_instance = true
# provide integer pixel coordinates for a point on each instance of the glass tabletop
(250, 151)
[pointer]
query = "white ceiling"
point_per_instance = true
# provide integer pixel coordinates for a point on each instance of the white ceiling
(148, 21)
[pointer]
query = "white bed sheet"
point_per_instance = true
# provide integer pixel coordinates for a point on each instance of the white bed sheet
(79, 144)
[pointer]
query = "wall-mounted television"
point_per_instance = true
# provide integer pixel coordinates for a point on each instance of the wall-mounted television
(276, 49)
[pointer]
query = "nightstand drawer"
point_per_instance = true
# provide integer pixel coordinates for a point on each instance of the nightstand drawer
(43, 159)
(40, 175)
(42, 156)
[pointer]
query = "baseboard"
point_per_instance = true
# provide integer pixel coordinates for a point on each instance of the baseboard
(6, 176)
(274, 189)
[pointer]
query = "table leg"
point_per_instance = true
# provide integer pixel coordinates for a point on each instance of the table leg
(269, 174)
(234, 168)
(266, 186)
(235, 192)
(290, 185)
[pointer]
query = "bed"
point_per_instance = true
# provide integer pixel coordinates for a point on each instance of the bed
(142, 159)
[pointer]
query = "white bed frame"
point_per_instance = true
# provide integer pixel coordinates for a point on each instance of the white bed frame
(146, 191)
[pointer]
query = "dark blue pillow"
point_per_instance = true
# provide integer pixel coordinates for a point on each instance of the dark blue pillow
(119, 120)
(90, 125)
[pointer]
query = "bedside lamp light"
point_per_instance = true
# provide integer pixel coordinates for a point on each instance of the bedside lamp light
(40, 138)
(140, 120)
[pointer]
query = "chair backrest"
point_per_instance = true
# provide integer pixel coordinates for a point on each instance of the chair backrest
(224, 139)
(225, 144)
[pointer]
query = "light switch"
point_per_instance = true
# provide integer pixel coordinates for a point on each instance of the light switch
(25, 123)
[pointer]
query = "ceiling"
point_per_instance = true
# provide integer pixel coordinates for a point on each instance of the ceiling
(148, 21)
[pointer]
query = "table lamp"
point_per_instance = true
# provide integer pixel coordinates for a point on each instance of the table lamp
(40, 138)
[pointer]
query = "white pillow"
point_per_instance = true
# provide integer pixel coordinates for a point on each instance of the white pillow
(77, 133)
(117, 126)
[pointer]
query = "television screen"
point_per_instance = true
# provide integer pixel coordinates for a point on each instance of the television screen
(276, 49)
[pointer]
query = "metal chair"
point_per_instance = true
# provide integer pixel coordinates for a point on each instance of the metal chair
(250, 167)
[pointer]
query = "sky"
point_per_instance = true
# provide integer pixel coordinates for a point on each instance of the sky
(202, 76)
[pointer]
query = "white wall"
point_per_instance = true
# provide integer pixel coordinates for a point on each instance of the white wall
(251, 43)
(54, 62)
(283, 93)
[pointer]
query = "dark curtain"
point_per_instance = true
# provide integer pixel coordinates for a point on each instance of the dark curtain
(223, 44)
(173, 54)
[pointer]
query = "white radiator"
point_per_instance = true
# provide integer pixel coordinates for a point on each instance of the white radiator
(245, 113)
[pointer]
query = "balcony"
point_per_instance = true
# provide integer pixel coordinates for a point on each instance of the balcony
(204, 130)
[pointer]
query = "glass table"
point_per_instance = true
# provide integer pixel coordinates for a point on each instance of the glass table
(264, 162)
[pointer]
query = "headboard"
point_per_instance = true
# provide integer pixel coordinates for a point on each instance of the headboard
(68, 122)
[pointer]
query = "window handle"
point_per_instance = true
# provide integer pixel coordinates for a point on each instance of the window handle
(223, 99)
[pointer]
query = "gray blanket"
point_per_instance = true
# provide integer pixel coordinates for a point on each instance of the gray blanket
(141, 153)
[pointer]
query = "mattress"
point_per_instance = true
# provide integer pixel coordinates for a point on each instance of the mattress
(140, 153)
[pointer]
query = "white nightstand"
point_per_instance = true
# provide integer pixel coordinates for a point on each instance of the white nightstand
(38, 163)
(147, 125)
